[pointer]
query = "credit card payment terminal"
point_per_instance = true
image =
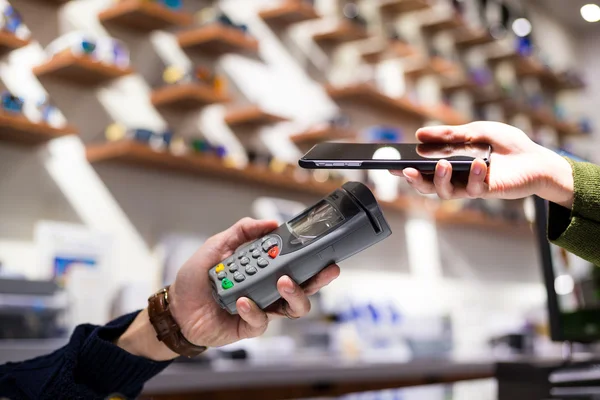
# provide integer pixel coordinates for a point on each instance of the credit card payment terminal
(340, 225)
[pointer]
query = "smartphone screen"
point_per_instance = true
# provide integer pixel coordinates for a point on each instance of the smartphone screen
(393, 155)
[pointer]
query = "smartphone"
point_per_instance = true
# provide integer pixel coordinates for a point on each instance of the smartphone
(394, 156)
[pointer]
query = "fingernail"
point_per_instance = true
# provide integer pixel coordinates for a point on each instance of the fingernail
(244, 306)
(409, 180)
(289, 289)
(441, 171)
(477, 169)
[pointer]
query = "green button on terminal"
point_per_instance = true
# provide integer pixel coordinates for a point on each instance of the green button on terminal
(226, 284)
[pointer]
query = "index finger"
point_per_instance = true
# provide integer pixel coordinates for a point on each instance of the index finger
(444, 134)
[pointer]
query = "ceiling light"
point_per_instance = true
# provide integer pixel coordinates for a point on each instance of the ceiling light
(563, 285)
(590, 12)
(521, 27)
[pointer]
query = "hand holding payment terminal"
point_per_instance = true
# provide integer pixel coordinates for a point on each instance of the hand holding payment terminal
(342, 224)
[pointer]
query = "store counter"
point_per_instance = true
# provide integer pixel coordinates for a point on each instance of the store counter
(326, 377)
(224, 379)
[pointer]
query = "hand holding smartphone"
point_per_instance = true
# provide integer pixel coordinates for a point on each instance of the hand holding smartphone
(394, 156)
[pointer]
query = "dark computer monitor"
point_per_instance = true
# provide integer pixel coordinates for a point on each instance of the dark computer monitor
(573, 287)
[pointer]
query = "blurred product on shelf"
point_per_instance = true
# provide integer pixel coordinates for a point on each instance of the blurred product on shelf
(50, 114)
(337, 122)
(214, 15)
(351, 12)
(203, 146)
(383, 134)
(156, 140)
(11, 103)
(31, 309)
(178, 75)
(172, 4)
(104, 49)
(12, 22)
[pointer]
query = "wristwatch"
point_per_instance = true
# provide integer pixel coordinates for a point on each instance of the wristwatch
(167, 330)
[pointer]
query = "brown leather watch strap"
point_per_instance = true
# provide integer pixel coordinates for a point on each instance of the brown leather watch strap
(167, 330)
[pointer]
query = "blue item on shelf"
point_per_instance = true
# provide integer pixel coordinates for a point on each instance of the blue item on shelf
(524, 46)
(88, 46)
(12, 19)
(385, 134)
(142, 135)
(481, 76)
(173, 4)
(585, 125)
(12, 103)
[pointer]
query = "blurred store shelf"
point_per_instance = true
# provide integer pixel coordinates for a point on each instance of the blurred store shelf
(448, 115)
(478, 219)
(455, 85)
(133, 153)
(397, 7)
(466, 37)
(450, 22)
(14, 350)
(395, 48)
(289, 12)
(251, 116)
(435, 66)
(531, 66)
(186, 96)
(144, 15)
(343, 32)
(319, 378)
(17, 129)
(314, 136)
(81, 70)
(9, 42)
(217, 39)
(538, 117)
(367, 94)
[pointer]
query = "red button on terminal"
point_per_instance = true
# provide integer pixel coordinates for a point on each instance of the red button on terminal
(273, 252)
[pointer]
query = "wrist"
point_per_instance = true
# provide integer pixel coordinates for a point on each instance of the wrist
(559, 182)
(140, 340)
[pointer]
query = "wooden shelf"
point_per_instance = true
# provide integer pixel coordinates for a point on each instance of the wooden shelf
(251, 117)
(82, 70)
(398, 7)
(395, 48)
(433, 66)
(523, 65)
(538, 117)
(186, 96)
(288, 13)
(448, 116)
(367, 94)
(344, 32)
(477, 219)
(449, 23)
(468, 37)
(133, 153)
(144, 15)
(9, 42)
(217, 39)
(370, 96)
(17, 129)
(314, 136)
(530, 66)
(453, 86)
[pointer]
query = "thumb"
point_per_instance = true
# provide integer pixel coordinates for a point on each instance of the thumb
(247, 229)
(451, 134)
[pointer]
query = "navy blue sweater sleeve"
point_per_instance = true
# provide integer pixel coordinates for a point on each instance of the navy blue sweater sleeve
(90, 366)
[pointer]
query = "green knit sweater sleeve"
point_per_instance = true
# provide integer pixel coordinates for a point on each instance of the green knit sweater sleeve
(578, 230)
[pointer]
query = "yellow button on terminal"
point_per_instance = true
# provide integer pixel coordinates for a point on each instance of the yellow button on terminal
(220, 268)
